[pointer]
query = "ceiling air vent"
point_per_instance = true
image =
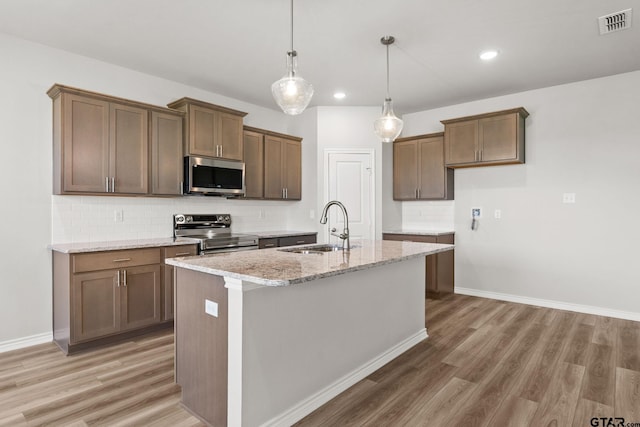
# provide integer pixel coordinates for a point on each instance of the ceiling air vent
(615, 22)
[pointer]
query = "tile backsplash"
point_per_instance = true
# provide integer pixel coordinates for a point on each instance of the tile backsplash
(99, 218)
(428, 215)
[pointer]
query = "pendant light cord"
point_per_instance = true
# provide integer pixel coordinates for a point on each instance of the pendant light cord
(291, 25)
(388, 97)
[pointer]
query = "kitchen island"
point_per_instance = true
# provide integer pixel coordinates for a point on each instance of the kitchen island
(265, 337)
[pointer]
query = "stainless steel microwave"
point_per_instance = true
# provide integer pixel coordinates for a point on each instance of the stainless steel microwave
(213, 177)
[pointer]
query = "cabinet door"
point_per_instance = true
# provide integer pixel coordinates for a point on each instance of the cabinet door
(85, 144)
(497, 138)
(167, 277)
(202, 131)
(96, 305)
(129, 149)
(405, 170)
(461, 142)
(292, 169)
(432, 170)
(140, 296)
(254, 164)
(166, 153)
(273, 182)
(167, 292)
(230, 136)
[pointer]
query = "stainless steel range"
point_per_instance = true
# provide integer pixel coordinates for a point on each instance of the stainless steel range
(213, 233)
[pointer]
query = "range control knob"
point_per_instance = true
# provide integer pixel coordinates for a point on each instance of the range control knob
(189, 218)
(179, 219)
(227, 218)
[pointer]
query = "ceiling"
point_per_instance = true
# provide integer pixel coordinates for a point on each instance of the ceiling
(238, 48)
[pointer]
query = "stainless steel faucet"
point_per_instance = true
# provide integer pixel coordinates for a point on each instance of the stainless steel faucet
(345, 233)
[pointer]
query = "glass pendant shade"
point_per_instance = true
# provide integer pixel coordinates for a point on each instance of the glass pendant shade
(292, 93)
(388, 127)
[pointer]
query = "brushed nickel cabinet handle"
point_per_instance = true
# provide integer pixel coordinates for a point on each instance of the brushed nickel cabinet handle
(221, 151)
(113, 184)
(124, 274)
(106, 183)
(299, 242)
(270, 245)
(122, 260)
(183, 253)
(118, 278)
(286, 193)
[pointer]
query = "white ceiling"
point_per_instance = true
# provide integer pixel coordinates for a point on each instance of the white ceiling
(238, 48)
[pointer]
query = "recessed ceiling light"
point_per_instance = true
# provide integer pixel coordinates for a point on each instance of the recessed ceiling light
(488, 55)
(339, 95)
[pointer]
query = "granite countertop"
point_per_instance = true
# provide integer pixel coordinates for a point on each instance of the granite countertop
(429, 232)
(273, 267)
(70, 248)
(281, 233)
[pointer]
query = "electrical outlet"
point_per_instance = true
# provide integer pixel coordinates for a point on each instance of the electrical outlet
(568, 197)
(497, 214)
(211, 308)
(261, 214)
(118, 215)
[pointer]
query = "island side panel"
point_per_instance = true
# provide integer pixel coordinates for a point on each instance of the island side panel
(303, 344)
(201, 345)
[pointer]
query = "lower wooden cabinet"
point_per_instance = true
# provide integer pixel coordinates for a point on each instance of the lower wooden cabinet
(439, 267)
(100, 296)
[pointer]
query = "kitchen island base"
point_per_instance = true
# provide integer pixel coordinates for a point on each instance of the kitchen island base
(269, 355)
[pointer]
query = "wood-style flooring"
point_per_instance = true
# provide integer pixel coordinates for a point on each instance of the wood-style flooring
(486, 363)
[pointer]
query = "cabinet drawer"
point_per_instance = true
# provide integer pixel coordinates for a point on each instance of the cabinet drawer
(268, 243)
(176, 251)
(410, 238)
(115, 259)
(297, 240)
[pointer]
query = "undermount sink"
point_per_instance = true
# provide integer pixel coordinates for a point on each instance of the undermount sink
(315, 249)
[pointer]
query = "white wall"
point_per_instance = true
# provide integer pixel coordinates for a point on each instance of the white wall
(581, 138)
(32, 218)
(349, 128)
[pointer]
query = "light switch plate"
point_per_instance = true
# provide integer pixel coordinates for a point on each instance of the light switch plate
(211, 308)
(568, 197)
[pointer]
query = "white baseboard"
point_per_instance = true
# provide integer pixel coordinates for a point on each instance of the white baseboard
(313, 402)
(19, 343)
(588, 309)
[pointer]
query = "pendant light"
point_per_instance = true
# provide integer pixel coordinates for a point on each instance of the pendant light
(387, 127)
(292, 93)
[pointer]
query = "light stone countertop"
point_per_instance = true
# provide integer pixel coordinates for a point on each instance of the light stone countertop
(273, 267)
(430, 232)
(70, 248)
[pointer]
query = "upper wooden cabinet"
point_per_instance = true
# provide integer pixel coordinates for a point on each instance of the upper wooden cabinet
(253, 164)
(282, 168)
(487, 139)
(211, 130)
(166, 153)
(101, 144)
(273, 165)
(419, 172)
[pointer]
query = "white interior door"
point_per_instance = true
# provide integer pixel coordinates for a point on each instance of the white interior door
(351, 181)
